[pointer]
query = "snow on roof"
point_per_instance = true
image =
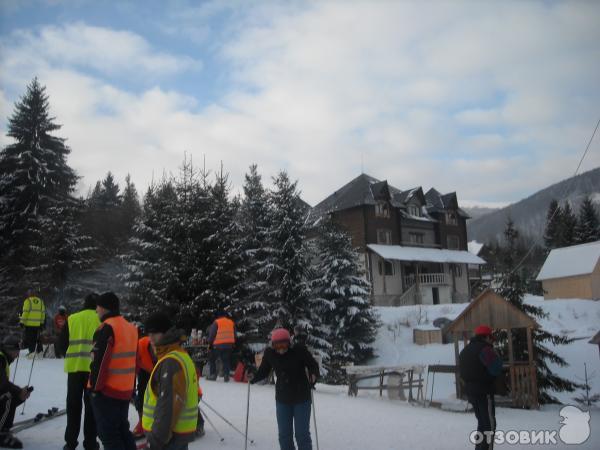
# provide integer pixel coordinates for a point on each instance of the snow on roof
(401, 253)
(570, 261)
(474, 247)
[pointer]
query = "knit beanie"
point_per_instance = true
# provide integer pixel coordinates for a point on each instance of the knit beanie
(11, 343)
(109, 301)
(157, 322)
(280, 335)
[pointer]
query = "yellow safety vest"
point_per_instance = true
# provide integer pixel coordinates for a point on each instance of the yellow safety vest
(82, 326)
(188, 419)
(34, 312)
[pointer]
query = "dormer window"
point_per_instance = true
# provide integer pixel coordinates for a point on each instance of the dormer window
(382, 209)
(414, 210)
(384, 237)
(451, 218)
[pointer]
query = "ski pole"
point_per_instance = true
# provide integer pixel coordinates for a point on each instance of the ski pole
(314, 409)
(31, 370)
(226, 421)
(212, 425)
(247, 416)
(16, 366)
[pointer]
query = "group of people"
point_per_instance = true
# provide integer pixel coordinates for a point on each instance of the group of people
(108, 364)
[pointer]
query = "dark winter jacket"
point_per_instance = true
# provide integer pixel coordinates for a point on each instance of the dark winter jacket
(292, 384)
(102, 338)
(169, 380)
(479, 366)
(5, 383)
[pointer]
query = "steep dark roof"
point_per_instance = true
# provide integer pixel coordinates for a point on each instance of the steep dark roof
(437, 202)
(363, 190)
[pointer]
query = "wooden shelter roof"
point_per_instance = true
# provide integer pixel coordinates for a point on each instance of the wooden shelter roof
(492, 310)
(595, 339)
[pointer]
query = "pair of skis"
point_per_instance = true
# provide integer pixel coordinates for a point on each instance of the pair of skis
(37, 419)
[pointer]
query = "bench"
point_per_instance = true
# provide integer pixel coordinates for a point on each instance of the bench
(394, 379)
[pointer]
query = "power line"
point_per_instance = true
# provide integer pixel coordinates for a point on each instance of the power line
(522, 261)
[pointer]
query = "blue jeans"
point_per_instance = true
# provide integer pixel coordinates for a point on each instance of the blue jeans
(294, 419)
(224, 354)
(112, 423)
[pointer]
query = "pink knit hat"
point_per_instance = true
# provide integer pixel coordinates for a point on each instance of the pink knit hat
(280, 335)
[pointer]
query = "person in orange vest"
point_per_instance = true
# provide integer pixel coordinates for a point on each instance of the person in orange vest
(221, 337)
(60, 320)
(145, 361)
(112, 374)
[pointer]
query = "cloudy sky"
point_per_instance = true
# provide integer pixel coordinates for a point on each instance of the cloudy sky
(494, 100)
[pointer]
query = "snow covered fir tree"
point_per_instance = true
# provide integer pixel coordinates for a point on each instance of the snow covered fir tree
(513, 287)
(40, 238)
(342, 294)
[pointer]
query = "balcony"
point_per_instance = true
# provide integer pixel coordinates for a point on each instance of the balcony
(426, 279)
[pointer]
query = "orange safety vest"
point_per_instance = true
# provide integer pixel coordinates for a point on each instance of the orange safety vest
(144, 355)
(225, 331)
(121, 368)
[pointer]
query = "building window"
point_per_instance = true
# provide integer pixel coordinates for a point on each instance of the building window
(384, 237)
(382, 209)
(451, 218)
(453, 242)
(416, 238)
(414, 210)
(389, 268)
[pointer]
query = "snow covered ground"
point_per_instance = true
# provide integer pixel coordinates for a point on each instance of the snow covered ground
(366, 421)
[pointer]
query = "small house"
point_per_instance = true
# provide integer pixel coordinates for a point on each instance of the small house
(572, 272)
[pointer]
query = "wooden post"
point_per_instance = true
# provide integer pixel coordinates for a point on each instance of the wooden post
(383, 272)
(456, 374)
(533, 371)
(511, 366)
(417, 285)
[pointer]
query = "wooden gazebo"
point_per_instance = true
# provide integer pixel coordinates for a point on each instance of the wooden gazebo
(492, 310)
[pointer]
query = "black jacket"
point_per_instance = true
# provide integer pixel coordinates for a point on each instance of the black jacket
(5, 383)
(479, 366)
(292, 384)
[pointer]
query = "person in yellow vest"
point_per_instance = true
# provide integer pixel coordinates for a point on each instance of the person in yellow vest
(221, 337)
(112, 374)
(33, 319)
(170, 411)
(11, 395)
(76, 338)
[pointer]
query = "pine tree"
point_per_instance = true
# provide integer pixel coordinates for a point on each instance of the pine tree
(342, 301)
(130, 207)
(286, 262)
(552, 234)
(36, 187)
(252, 309)
(513, 288)
(568, 225)
(588, 224)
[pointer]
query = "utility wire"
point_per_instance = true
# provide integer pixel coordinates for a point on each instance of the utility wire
(520, 263)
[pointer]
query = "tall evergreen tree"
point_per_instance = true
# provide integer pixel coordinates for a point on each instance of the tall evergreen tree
(286, 263)
(513, 288)
(130, 207)
(588, 225)
(252, 309)
(552, 235)
(342, 302)
(36, 187)
(568, 225)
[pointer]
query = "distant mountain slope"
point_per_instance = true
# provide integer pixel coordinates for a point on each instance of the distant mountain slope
(529, 214)
(475, 212)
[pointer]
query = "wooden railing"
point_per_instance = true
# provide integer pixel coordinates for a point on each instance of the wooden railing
(524, 389)
(426, 279)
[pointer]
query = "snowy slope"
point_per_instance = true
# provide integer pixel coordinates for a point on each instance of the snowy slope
(578, 319)
(367, 421)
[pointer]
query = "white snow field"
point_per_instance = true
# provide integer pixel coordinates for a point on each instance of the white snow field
(367, 421)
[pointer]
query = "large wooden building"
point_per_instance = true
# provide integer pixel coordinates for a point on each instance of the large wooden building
(414, 243)
(572, 272)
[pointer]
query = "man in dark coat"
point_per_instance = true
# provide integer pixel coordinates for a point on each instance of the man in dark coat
(479, 366)
(11, 395)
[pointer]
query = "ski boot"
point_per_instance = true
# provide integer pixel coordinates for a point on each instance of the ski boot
(7, 440)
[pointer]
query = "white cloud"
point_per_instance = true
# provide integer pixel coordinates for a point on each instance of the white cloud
(492, 100)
